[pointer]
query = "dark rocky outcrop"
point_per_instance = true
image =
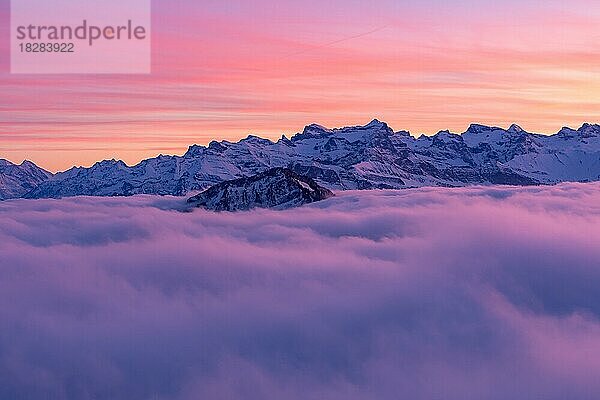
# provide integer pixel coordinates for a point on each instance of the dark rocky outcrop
(278, 188)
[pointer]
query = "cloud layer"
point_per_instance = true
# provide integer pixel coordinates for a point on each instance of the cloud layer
(478, 293)
(224, 69)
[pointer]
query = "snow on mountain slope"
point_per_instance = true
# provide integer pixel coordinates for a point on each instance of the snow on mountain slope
(360, 157)
(16, 180)
(570, 155)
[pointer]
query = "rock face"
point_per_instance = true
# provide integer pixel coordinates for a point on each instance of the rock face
(17, 180)
(277, 188)
(360, 157)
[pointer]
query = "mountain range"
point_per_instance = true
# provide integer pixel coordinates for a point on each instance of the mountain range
(361, 157)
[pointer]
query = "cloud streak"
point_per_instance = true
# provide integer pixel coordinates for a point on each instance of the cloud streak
(432, 293)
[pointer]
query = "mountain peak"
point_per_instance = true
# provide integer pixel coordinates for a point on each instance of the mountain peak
(312, 131)
(109, 163)
(588, 129)
(278, 188)
(256, 139)
(567, 131)
(446, 133)
(515, 128)
(446, 137)
(194, 150)
(403, 133)
(478, 128)
(375, 123)
(216, 146)
(18, 180)
(285, 140)
(316, 127)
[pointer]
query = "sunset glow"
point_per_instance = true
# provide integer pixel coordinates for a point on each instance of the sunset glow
(224, 69)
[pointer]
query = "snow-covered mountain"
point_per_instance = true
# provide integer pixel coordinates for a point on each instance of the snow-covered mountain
(361, 157)
(17, 180)
(277, 188)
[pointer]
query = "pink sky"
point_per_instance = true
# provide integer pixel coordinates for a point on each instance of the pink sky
(224, 69)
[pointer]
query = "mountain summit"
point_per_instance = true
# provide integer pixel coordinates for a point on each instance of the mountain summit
(277, 188)
(17, 180)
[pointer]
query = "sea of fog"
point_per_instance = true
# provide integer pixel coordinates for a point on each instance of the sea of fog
(476, 293)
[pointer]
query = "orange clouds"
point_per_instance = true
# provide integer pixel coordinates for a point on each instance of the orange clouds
(223, 71)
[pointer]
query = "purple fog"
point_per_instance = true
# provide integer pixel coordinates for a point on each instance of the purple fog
(475, 293)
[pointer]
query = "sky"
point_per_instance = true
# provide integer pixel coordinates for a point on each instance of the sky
(124, 298)
(225, 69)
